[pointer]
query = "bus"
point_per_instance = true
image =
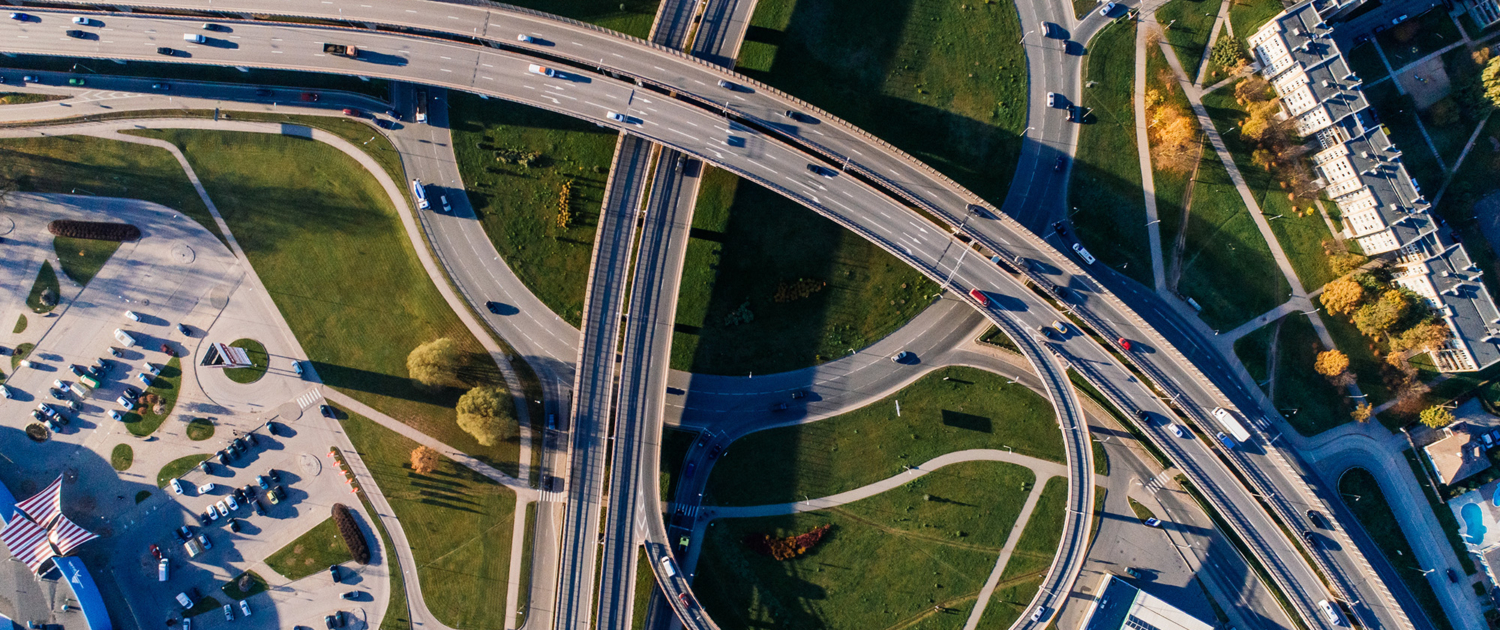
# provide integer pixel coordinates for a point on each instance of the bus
(420, 193)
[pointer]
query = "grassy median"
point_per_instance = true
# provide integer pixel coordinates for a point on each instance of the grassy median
(312, 552)
(330, 248)
(945, 81)
(937, 537)
(971, 409)
(81, 258)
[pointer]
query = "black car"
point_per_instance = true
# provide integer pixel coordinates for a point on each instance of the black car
(250, 439)
(203, 466)
(234, 525)
(115, 352)
(77, 371)
(184, 330)
(131, 392)
(714, 454)
(223, 458)
(703, 440)
(239, 495)
(1073, 113)
(76, 34)
(493, 306)
(1062, 230)
(262, 92)
(1140, 414)
(821, 171)
(1059, 164)
(799, 394)
(1317, 519)
(799, 117)
(239, 443)
(333, 570)
(203, 519)
(275, 476)
(163, 50)
(779, 407)
(271, 428)
(384, 124)
(327, 411)
(1452, 577)
(1308, 536)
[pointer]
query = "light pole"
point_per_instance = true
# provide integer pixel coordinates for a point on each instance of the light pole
(1312, 312)
(1153, 222)
(1023, 36)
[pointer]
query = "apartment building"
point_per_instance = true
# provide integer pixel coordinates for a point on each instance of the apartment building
(1361, 172)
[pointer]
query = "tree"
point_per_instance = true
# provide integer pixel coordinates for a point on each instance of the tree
(1361, 412)
(488, 414)
(1341, 296)
(435, 363)
(1376, 319)
(1226, 53)
(1252, 89)
(1490, 80)
(1331, 363)
(1437, 416)
(1423, 336)
(423, 460)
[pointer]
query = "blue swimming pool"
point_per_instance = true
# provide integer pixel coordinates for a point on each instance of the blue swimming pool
(1474, 528)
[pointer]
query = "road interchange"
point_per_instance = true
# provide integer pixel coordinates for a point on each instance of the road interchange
(935, 197)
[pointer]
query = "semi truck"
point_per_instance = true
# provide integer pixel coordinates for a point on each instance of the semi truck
(1232, 425)
(341, 50)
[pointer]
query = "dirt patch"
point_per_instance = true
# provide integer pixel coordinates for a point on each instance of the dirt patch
(1427, 83)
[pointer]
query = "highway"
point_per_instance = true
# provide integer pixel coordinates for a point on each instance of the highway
(760, 108)
(594, 390)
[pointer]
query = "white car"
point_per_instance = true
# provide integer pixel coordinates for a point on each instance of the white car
(115, 415)
(1108, 9)
(211, 514)
(245, 607)
(194, 38)
(176, 486)
(147, 366)
(130, 315)
(5, 391)
(125, 402)
(615, 116)
(1038, 614)
(542, 70)
(525, 38)
(1177, 429)
(233, 505)
(219, 507)
(443, 199)
(207, 488)
(228, 612)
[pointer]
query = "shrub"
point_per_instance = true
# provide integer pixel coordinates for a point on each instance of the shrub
(423, 460)
(788, 547)
(349, 531)
(94, 230)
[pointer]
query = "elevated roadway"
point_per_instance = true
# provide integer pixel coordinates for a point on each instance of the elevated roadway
(872, 162)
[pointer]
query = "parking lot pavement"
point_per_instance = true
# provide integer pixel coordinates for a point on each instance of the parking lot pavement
(178, 272)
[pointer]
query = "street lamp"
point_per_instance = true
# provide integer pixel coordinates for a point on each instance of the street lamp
(1153, 222)
(1312, 312)
(1023, 36)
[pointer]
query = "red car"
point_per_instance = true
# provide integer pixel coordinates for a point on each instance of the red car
(311, 97)
(1124, 344)
(350, 111)
(682, 597)
(155, 552)
(980, 297)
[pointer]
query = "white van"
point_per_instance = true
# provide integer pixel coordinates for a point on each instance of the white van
(130, 315)
(1083, 253)
(124, 338)
(669, 567)
(161, 570)
(1331, 612)
(194, 38)
(420, 193)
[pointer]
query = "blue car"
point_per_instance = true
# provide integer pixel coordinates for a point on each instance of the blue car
(144, 378)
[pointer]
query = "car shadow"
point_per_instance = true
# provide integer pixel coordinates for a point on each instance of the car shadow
(382, 59)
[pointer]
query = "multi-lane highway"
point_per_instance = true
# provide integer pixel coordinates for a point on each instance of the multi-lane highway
(879, 180)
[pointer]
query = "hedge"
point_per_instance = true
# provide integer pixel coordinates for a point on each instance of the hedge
(94, 230)
(350, 532)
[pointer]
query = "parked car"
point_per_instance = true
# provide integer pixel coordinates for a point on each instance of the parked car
(349, 595)
(125, 402)
(263, 482)
(1108, 9)
(219, 507)
(207, 488)
(228, 612)
(203, 540)
(333, 571)
(234, 525)
(176, 486)
(131, 392)
(327, 411)
(245, 607)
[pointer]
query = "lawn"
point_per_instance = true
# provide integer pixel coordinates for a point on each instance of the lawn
(1365, 63)
(1399, 119)
(1320, 405)
(674, 448)
(107, 168)
(1365, 359)
(122, 457)
(1141, 511)
(1300, 230)
(632, 17)
(1226, 265)
(1082, 7)
(517, 203)
(82, 259)
(1106, 178)
(312, 552)
(1171, 186)
(1188, 24)
(20, 325)
(199, 429)
(24, 98)
(1247, 16)
(750, 248)
(1418, 37)
(46, 281)
(645, 587)
(459, 524)
(22, 351)
(325, 240)
(178, 467)
(167, 385)
(259, 362)
(974, 409)
(205, 604)
(256, 585)
(1448, 123)
(944, 81)
(1254, 351)
(1218, 72)
(1375, 515)
(1031, 558)
(938, 538)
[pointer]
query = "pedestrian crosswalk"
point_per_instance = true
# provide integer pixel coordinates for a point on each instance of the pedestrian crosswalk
(310, 398)
(687, 510)
(552, 496)
(1159, 481)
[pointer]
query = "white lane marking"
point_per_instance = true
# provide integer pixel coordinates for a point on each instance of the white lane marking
(684, 134)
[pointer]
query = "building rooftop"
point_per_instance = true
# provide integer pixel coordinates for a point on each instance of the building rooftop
(1457, 456)
(1120, 606)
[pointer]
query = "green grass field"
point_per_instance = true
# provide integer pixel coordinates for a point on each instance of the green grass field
(176, 468)
(632, 17)
(257, 585)
(22, 351)
(324, 238)
(312, 552)
(377, 88)
(46, 280)
(168, 384)
(674, 447)
(1226, 265)
(20, 326)
(23, 98)
(974, 409)
(1217, 72)
(1247, 16)
(1366, 63)
(1365, 359)
(1031, 558)
(122, 457)
(1188, 24)
(517, 204)
(937, 537)
(1375, 515)
(944, 81)
(82, 259)
(108, 168)
(259, 362)
(1254, 352)
(459, 524)
(199, 429)
(1429, 32)
(1300, 230)
(1106, 179)
(1320, 405)
(748, 244)
(1140, 510)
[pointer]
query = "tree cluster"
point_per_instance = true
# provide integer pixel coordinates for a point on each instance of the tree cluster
(1274, 147)
(1437, 416)
(1226, 53)
(787, 547)
(94, 230)
(350, 533)
(1173, 131)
